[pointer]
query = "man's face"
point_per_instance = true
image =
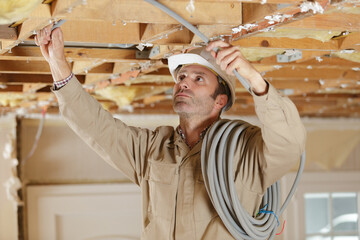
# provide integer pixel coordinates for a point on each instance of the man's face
(193, 90)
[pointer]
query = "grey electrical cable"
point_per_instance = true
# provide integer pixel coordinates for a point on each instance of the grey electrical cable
(219, 143)
(196, 32)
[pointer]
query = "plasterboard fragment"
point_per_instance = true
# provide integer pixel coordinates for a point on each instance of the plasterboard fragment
(314, 6)
(12, 185)
(245, 27)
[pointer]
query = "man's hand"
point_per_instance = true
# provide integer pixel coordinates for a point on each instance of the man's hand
(52, 48)
(229, 58)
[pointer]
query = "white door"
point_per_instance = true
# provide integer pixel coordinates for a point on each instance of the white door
(84, 212)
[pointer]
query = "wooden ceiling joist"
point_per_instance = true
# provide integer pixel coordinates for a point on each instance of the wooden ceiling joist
(321, 82)
(143, 12)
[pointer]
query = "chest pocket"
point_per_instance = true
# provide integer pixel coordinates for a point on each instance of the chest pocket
(161, 178)
(204, 210)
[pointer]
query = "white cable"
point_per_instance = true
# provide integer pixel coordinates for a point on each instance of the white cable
(37, 138)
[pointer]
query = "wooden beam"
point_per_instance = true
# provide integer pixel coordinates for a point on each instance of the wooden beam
(287, 43)
(89, 31)
(312, 74)
(140, 11)
(74, 54)
(166, 33)
(214, 31)
(7, 33)
(24, 67)
(33, 87)
(86, 66)
(287, 15)
(30, 78)
(326, 61)
(253, 12)
(351, 41)
(332, 21)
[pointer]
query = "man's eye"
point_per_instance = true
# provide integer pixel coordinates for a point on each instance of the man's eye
(199, 79)
(181, 77)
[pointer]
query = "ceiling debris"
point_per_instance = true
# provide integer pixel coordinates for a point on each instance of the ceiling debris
(309, 50)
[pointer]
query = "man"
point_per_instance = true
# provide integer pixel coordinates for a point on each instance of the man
(165, 163)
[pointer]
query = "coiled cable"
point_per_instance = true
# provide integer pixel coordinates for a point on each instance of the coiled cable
(217, 156)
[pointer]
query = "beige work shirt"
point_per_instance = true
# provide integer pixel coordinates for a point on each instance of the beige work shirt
(175, 204)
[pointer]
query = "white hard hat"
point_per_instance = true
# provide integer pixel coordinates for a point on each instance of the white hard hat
(202, 57)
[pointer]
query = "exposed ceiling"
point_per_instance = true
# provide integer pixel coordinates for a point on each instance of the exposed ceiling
(118, 50)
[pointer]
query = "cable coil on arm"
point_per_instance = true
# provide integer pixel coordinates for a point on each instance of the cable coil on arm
(217, 156)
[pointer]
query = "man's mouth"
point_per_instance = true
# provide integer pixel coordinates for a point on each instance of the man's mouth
(181, 95)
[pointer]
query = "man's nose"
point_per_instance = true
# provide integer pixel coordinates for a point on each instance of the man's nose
(184, 83)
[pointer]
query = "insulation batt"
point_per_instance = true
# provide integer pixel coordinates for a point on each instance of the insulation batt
(14, 10)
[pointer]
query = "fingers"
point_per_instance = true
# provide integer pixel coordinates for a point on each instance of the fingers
(227, 57)
(43, 36)
(216, 44)
(57, 37)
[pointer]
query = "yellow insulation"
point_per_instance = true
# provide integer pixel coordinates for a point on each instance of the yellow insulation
(15, 10)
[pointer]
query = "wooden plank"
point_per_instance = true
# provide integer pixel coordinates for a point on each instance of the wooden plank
(140, 11)
(351, 41)
(6, 45)
(333, 21)
(33, 87)
(86, 66)
(30, 78)
(38, 19)
(7, 33)
(166, 33)
(164, 51)
(287, 15)
(123, 67)
(214, 31)
(253, 12)
(12, 88)
(88, 31)
(93, 79)
(312, 74)
(24, 67)
(327, 61)
(74, 54)
(287, 43)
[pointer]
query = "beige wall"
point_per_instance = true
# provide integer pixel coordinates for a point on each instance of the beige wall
(8, 211)
(62, 157)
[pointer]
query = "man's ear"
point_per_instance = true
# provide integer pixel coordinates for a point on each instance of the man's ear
(220, 101)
